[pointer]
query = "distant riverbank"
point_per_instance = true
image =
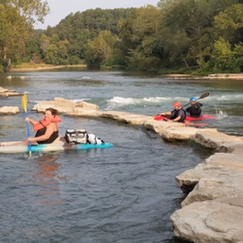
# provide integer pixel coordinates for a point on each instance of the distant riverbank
(210, 76)
(30, 69)
(172, 76)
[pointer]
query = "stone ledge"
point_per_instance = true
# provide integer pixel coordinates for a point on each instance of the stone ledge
(215, 221)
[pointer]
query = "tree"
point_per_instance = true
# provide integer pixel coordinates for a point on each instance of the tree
(16, 19)
(100, 50)
(224, 59)
(229, 23)
(139, 39)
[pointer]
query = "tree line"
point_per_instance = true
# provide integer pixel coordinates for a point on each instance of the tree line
(193, 36)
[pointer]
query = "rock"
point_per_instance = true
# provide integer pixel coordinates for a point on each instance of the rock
(85, 109)
(85, 105)
(125, 117)
(215, 140)
(7, 92)
(69, 107)
(62, 105)
(221, 185)
(9, 110)
(217, 181)
(209, 168)
(209, 222)
(178, 133)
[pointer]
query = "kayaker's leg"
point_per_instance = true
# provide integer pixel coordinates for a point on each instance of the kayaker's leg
(25, 142)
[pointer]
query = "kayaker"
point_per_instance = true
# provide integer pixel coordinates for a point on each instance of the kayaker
(177, 115)
(195, 109)
(46, 129)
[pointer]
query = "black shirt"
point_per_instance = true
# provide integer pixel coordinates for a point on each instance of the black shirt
(195, 110)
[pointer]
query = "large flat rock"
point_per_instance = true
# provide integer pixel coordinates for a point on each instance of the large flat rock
(214, 221)
(9, 110)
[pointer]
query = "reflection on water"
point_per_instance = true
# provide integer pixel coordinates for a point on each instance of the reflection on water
(47, 176)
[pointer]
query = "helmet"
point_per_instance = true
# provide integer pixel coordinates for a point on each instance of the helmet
(177, 103)
(193, 98)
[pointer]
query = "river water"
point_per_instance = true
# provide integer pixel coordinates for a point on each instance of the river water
(123, 194)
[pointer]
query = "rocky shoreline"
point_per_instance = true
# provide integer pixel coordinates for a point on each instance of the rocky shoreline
(213, 209)
(238, 76)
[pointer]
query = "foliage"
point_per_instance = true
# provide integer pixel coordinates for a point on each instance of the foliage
(80, 29)
(16, 19)
(185, 35)
(100, 49)
(138, 34)
(226, 59)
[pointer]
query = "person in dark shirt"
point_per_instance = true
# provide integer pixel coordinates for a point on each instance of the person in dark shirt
(177, 115)
(195, 109)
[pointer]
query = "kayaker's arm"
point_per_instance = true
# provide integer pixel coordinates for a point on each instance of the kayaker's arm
(33, 122)
(166, 113)
(176, 119)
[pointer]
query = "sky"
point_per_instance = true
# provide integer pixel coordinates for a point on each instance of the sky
(59, 9)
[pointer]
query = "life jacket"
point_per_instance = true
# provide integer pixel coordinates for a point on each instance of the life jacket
(175, 114)
(43, 123)
(195, 110)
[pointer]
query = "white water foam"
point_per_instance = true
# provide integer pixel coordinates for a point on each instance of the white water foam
(221, 114)
(117, 101)
(85, 78)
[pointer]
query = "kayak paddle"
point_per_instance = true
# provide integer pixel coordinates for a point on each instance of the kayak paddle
(24, 104)
(201, 97)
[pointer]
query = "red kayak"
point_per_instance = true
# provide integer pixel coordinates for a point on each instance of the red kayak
(187, 123)
(188, 118)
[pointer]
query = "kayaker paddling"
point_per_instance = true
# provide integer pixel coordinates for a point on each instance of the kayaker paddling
(195, 109)
(176, 115)
(46, 130)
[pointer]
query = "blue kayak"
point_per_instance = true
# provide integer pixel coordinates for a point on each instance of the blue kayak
(7, 147)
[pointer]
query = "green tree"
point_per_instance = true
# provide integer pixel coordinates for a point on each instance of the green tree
(56, 53)
(229, 23)
(16, 22)
(100, 50)
(80, 29)
(139, 39)
(223, 58)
